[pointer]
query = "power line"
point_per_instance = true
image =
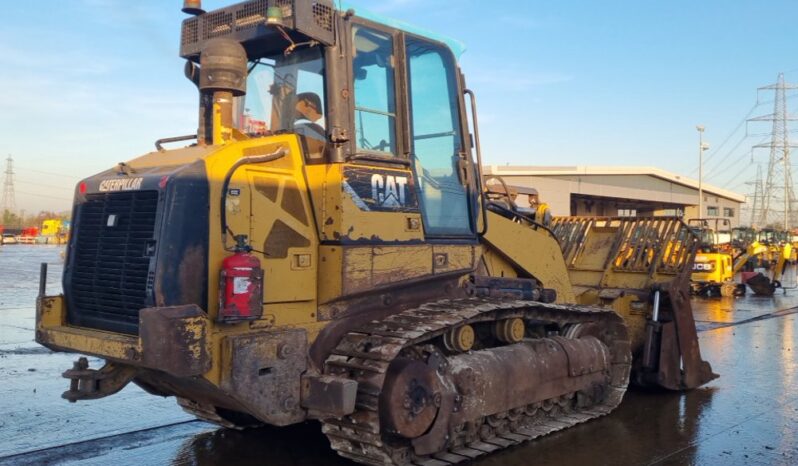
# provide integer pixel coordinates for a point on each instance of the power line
(740, 173)
(61, 175)
(779, 163)
(61, 198)
(723, 163)
(757, 194)
(725, 141)
(734, 187)
(722, 167)
(49, 186)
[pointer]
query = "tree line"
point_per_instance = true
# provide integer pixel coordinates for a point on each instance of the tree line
(20, 220)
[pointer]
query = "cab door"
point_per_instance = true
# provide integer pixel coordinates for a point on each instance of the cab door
(436, 139)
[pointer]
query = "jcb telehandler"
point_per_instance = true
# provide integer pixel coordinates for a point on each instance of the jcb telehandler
(325, 251)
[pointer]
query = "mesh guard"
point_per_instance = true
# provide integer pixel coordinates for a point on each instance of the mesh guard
(246, 22)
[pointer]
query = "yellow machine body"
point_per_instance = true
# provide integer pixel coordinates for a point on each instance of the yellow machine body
(712, 267)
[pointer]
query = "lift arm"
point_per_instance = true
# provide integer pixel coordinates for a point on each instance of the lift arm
(753, 250)
(784, 255)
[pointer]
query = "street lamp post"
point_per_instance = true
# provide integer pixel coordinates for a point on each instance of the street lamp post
(702, 146)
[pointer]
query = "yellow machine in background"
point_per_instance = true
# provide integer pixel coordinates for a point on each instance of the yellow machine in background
(713, 275)
(714, 271)
(54, 231)
(327, 250)
(741, 238)
(793, 240)
(775, 240)
(714, 264)
(51, 227)
(763, 285)
(714, 233)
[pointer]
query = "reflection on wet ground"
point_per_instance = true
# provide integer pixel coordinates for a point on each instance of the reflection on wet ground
(33, 416)
(714, 312)
(747, 416)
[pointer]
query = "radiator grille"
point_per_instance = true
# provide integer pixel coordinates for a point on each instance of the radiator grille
(111, 259)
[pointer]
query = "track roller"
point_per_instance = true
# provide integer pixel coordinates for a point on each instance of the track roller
(460, 339)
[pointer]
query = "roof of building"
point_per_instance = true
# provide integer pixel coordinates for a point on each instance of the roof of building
(592, 170)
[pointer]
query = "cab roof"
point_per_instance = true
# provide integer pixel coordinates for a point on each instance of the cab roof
(457, 47)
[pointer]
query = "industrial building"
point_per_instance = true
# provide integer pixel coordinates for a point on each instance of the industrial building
(619, 191)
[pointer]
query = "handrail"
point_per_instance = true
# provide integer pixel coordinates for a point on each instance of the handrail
(160, 142)
(478, 147)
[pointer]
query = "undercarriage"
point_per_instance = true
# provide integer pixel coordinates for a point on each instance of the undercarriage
(421, 400)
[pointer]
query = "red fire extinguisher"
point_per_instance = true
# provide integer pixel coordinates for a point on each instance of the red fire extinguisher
(240, 285)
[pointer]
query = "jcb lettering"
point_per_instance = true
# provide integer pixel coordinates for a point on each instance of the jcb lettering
(703, 267)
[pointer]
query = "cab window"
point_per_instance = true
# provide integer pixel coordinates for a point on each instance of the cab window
(285, 93)
(436, 141)
(374, 92)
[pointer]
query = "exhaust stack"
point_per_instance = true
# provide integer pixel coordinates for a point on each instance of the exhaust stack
(222, 76)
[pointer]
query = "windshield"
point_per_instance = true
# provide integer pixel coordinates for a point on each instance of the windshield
(707, 237)
(742, 235)
(285, 93)
(766, 236)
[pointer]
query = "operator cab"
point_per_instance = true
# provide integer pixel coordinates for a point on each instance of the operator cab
(355, 89)
(712, 239)
(741, 237)
(770, 236)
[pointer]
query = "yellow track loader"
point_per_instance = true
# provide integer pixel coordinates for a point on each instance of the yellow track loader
(324, 250)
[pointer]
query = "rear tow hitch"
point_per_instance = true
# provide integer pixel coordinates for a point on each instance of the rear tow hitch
(91, 384)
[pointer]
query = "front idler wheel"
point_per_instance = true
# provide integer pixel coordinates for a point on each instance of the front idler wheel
(410, 398)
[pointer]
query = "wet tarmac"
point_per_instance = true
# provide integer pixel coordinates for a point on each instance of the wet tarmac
(747, 416)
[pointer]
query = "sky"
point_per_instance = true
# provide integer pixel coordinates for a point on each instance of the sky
(89, 83)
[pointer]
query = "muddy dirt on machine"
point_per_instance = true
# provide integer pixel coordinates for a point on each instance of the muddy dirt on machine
(456, 379)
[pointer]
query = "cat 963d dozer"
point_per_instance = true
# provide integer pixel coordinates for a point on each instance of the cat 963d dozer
(325, 250)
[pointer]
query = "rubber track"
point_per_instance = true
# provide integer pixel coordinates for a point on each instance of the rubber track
(366, 353)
